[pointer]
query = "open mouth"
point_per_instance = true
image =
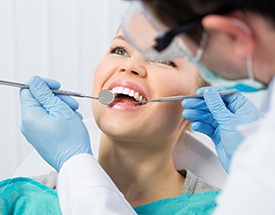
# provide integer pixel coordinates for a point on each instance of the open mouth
(127, 96)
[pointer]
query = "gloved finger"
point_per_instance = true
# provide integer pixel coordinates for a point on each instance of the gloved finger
(194, 103)
(79, 115)
(201, 90)
(216, 105)
(74, 105)
(218, 88)
(228, 99)
(27, 100)
(216, 137)
(29, 107)
(241, 106)
(55, 85)
(236, 102)
(199, 116)
(47, 99)
(203, 128)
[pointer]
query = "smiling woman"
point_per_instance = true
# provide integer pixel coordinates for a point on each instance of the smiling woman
(137, 140)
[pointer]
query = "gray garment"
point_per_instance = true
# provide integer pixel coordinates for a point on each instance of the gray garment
(48, 180)
(192, 183)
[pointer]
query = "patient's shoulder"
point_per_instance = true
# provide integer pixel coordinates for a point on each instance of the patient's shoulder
(193, 184)
(49, 179)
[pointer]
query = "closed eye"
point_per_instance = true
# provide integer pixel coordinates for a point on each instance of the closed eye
(169, 63)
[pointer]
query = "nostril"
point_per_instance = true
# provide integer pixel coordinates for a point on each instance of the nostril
(136, 73)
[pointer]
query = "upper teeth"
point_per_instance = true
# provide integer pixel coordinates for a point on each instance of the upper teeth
(128, 92)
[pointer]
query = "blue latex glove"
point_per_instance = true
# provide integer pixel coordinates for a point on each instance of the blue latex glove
(55, 85)
(218, 117)
(51, 123)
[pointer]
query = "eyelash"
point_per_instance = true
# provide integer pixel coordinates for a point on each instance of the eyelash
(116, 48)
(113, 50)
(168, 63)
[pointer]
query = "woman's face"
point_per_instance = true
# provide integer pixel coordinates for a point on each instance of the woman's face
(131, 77)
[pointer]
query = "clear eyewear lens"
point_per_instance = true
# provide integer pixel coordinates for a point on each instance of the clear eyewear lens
(141, 31)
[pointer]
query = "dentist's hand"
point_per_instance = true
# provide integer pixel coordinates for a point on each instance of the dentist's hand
(218, 117)
(51, 123)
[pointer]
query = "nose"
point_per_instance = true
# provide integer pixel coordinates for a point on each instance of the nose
(135, 64)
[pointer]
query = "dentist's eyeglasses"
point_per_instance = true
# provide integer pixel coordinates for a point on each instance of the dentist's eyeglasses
(152, 39)
(156, 41)
(164, 40)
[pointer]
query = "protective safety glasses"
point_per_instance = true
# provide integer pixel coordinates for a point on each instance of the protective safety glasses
(154, 40)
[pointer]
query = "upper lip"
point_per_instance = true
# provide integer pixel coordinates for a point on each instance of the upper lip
(130, 85)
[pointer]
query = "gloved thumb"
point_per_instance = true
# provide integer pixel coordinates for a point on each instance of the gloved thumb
(215, 104)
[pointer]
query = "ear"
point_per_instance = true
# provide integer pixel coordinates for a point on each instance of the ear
(234, 33)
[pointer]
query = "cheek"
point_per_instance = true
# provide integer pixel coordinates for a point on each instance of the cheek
(99, 76)
(104, 70)
(177, 85)
(168, 119)
(96, 108)
(182, 80)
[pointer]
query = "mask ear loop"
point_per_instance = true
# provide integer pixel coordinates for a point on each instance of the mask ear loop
(200, 50)
(249, 65)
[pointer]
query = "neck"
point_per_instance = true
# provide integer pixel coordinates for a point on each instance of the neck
(142, 174)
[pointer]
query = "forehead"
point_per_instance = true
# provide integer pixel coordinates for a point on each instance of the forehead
(119, 32)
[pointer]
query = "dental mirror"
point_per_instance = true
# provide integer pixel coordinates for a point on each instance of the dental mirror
(105, 97)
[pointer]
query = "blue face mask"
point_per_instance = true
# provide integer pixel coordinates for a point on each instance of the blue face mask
(242, 85)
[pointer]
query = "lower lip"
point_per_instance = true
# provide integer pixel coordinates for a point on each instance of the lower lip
(124, 106)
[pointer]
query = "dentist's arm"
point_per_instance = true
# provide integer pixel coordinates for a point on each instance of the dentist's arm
(218, 117)
(55, 129)
(84, 188)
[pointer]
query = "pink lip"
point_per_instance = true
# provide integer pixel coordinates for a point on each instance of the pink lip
(130, 85)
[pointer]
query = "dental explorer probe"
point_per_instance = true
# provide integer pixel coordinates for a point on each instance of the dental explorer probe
(174, 98)
(105, 96)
